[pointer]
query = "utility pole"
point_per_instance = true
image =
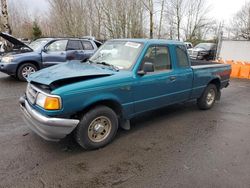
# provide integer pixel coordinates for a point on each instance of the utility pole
(220, 37)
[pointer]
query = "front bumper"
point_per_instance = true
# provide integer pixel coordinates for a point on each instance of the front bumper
(49, 128)
(199, 57)
(8, 68)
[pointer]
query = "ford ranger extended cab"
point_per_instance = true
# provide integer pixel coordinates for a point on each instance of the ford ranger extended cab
(44, 52)
(124, 78)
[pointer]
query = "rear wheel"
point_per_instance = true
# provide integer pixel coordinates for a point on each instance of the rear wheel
(208, 98)
(97, 128)
(25, 70)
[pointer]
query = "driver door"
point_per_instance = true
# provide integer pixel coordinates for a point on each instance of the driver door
(54, 53)
(155, 89)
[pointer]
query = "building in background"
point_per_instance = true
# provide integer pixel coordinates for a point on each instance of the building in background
(237, 50)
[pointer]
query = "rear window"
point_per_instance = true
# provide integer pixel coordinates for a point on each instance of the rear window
(74, 45)
(87, 45)
(182, 58)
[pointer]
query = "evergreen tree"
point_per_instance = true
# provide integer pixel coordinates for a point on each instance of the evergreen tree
(36, 31)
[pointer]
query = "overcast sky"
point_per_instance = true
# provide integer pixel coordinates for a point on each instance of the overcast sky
(225, 9)
(220, 9)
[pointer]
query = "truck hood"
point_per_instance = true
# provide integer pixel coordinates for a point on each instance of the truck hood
(196, 50)
(14, 40)
(69, 72)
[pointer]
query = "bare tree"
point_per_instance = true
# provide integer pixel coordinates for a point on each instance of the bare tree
(122, 19)
(149, 5)
(95, 15)
(68, 17)
(175, 12)
(174, 19)
(241, 23)
(197, 19)
(20, 19)
(161, 18)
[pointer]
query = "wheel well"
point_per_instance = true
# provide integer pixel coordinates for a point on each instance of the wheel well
(217, 83)
(109, 103)
(32, 62)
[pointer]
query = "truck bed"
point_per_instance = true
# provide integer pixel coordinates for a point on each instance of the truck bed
(204, 71)
(202, 62)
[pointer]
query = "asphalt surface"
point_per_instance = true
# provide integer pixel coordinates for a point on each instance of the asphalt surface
(178, 146)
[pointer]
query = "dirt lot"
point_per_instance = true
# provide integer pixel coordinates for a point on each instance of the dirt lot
(179, 146)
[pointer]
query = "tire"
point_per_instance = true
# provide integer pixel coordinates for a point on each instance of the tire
(97, 128)
(25, 70)
(208, 97)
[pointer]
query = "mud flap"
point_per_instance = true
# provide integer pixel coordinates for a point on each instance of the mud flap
(125, 124)
(218, 95)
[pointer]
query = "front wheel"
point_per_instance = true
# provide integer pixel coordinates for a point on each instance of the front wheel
(25, 70)
(208, 98)
(97, 128)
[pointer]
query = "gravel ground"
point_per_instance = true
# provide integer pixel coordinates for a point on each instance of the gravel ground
(178, 146)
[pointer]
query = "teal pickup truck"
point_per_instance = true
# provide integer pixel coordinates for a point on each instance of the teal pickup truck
(124, 78)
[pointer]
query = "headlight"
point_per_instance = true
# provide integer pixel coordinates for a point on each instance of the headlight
(203, 53)
(48, 102)
(7, 59)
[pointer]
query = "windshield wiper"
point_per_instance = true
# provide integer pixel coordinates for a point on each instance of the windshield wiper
(90, 61)
(107, 64)
(87, 61)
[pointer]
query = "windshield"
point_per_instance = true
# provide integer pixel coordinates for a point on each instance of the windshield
(206, 46)
(37, 44)
(121, 54)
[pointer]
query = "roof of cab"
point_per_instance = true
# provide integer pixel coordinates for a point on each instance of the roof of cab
(151, 41)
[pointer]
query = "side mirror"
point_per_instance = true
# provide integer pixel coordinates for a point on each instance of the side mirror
(147, 67)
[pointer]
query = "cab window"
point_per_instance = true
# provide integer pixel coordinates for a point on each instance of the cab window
(159, 57)
(182, 58)
(87, 45)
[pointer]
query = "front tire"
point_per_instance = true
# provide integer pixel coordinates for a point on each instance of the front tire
(25, 70)
(208, 98)
(97, 128)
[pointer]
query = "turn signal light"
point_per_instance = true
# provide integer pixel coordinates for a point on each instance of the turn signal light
(52, 103)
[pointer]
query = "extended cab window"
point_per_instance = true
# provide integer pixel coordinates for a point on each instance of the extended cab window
(182, 58)
(87, 45)
(57, 46)
(74, 45)
(159, 56)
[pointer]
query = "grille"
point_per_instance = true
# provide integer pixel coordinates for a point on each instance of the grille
(194, 53)
(31, 94)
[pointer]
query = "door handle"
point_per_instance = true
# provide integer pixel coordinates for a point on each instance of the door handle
(172, 78)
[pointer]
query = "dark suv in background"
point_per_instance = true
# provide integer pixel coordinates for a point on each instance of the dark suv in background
(203, 51)
(25, 59)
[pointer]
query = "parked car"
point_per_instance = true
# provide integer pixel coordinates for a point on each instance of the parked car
(44, 52)
(188, 45)
(203, 51)
(122, 79)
